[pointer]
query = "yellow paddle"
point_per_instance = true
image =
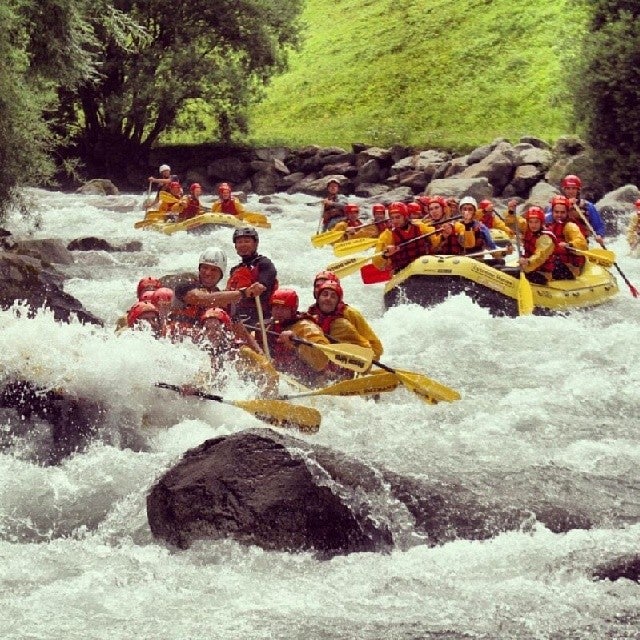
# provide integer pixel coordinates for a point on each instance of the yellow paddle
(429, 390)
(356, 245)
(348, 356)
(524, 292)
(603, 257)
(365, 385)
(275, 412)
(321, 239)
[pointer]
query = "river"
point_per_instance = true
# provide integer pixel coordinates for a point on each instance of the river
(550, 400)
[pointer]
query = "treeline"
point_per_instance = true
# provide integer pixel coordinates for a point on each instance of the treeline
(105, 79)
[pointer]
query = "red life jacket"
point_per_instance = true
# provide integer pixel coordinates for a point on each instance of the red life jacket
(557, 228)
(581, 225)
(325, 321)
(529, 247)
(450, 245)
(191, 210)
(409, 252)
(228, 206)
(382, 225)
(354, 223)
(487, 219)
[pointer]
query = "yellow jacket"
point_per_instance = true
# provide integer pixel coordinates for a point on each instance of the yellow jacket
(311, 332)
(543, 251)
(216, 207)
(573, 236)
(498, 223)
(364, 329)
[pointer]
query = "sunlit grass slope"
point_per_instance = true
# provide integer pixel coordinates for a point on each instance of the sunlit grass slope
(445, 73)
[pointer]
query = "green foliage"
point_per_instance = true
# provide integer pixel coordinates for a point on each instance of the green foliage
(217, 54)
(424, 72)
(606, 82)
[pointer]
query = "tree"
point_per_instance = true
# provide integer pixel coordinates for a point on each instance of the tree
(219, 54)
(606, 82)
(43, 44)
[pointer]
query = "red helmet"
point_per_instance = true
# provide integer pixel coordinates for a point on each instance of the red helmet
(638, 203)
(378, 207)
(174, 185)
(425, 201)
(535, 212)
(219, 314)
(571, 181)
(133, 315)
(326, 275)
(194, 186)
(147, 296)
(485, 204)
(413, 208)
(438, 200)
(163, 294)
(147, 283)
(559, 200)
(334, 286)
(224, 186)
(351, 208)
(285, 297)
(399, 207)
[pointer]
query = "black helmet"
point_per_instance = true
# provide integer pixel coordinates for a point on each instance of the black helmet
(242, 232)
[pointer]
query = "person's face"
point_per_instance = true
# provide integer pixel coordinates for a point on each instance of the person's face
(245, 246)
(380, 215)
(281, 313)
(447, 230)
(570, 192)
(488, 209)
(197, 192)
(166, 173)
(534, 225)
(333, 188)
(328, 301)
(559, 213)
(209, 275)
(176, 191)
(225, 193)
(316, 286)
(468, 211)
(397, 219)
(436, 211)
(214, 330)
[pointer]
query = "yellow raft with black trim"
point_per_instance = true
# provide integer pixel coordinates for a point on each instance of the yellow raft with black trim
(198, 224)
(430, 280)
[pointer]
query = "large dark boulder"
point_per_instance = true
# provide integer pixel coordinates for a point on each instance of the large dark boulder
(271, 490)
(26, 278)
(627, 567)
(54, 423)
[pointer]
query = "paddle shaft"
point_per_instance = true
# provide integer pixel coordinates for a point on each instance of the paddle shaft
(585, 219)
(263, 329)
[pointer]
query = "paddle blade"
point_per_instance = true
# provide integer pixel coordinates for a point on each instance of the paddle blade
(525, 296)
(321, 239)
(256, 219)
(283, 414)
(348, 356)
(365, 385)
(603, 257)
(429, 390)
(356, 245)
(372, 275)
(347, 266)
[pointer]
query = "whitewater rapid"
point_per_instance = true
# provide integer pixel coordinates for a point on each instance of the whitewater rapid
(549, 402)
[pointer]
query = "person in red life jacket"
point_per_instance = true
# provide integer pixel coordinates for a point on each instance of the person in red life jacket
(329, 314)
(332, 206)
(355, 317)
(476, 236)
(191, 206)
(352, 223)
(196, 296)
(226, 203)
(397, 257)
(172, 207)
(143, 315)
(571, 186)
(568, 236)
(538, 259)
(147, 284)
(306, 364)
(255, 272)
(447, 241)
(490, 219)
(436, 210)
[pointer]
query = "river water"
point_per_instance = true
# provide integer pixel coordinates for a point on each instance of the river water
(551, 403)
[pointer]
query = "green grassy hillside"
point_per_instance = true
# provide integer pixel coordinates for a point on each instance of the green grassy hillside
(439, 73)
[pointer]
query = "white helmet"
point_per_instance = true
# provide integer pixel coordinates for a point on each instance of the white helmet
(214, 257)
(468, 200)
(164, 167)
